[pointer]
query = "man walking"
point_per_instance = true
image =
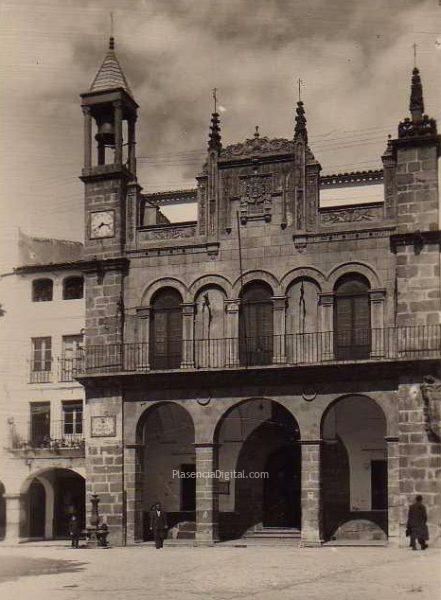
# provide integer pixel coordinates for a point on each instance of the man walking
(417, 524)
(74, 531)
(158, 524)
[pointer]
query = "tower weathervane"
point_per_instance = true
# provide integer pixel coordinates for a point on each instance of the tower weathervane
(215, 99)
(414, 46)
(300, 83)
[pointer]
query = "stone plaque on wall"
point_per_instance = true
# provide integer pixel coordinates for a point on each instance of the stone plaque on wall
(103, 426)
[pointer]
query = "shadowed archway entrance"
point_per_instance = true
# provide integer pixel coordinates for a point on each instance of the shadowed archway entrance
(259, 440)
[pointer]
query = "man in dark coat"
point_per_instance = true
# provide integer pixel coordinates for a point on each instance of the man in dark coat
(158, 524)
(417, 524)
(74, 531)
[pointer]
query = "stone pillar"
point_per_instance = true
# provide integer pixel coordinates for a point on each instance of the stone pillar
(188, 335)
(393, 490)
(311, 514)
(132, 144)
(206, 498)
(117, 106)
(13, 512)
(232, 328)
(279, 326)
(133, 493)
(326, 321)
(381, 338)
(87, 137)
(143, 315)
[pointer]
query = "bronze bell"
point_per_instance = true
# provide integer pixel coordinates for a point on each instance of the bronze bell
(106, 133)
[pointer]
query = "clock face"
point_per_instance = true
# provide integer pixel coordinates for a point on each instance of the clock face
(102, 224)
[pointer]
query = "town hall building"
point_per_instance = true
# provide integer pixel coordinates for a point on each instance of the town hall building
(296, 344)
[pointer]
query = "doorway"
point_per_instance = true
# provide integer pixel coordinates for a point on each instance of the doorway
(281, 500)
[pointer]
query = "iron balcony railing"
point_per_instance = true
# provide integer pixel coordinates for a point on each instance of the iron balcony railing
(388, 344)
(54, 435)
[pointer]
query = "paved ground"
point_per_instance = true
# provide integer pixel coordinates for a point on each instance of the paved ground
(220, 573)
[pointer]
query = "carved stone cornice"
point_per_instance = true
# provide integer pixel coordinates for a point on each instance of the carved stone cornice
(257, 146)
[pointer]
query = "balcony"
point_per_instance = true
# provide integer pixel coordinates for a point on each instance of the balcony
(62, 370)
(61, 438)
(322, 348)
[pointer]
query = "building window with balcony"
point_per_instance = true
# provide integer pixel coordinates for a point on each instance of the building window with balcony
(40, 426)
(166, 330)
(72, 418)
(73, 288)
(72, 346)
(256, 324)
(41, 360)
(352, 318)
(42, 290)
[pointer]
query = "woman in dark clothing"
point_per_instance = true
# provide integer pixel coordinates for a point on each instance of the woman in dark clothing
(417, 524)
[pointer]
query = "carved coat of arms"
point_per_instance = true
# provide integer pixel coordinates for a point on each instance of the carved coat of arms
(256, 197)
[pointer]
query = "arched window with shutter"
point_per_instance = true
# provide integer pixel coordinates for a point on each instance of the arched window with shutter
(166, 329)
(352, 318)
(256, 324)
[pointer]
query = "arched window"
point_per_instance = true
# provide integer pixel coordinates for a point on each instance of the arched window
(256, 325)
(352, 317)
(73, 288)
(42, 290)
(166, 329)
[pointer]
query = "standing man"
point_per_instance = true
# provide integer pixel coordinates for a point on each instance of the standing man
(158, 524)
(74, 531)
(417, 524)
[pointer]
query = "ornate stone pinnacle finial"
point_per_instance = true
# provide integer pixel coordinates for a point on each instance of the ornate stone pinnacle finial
(300, 131)
(416, 105)
(256, 132)
(214, 139)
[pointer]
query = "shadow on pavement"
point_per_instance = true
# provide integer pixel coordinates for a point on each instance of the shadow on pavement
(12, 567)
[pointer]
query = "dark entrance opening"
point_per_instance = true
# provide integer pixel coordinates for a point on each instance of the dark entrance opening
(36, 509)
(188, 488)
(260, 439)
(281, 503)
(379, 484)
(69, 497)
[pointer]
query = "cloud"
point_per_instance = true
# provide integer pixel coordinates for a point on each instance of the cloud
(354, 57)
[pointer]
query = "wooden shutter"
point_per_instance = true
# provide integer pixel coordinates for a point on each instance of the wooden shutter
(352, 319)
(166, 330)
(256, 325)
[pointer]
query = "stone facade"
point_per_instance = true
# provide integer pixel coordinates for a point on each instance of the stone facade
(260, 220)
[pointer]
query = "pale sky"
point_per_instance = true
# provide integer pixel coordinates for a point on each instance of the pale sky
(355, 57)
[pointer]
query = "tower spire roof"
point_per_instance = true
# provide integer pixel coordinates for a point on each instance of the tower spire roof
(300, 131)
(110, 75)
(214, 138)
(416, 105)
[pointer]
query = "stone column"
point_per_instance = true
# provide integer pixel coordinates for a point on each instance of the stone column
(381, 338)
(143, 314)
(279, 326)
(311, 514)
(326, 321)
(132, 144)
(188, 335)
(393, 490)
(206, 498)
(232, 328)
(117, 106)
(13, 512)
(133, 493)
(87, 137)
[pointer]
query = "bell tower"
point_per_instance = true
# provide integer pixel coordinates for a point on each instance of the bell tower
(110, 114)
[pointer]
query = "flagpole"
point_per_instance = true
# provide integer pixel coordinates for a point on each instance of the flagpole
(241, 287)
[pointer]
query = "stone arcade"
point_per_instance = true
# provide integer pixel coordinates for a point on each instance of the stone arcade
(271, 335)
